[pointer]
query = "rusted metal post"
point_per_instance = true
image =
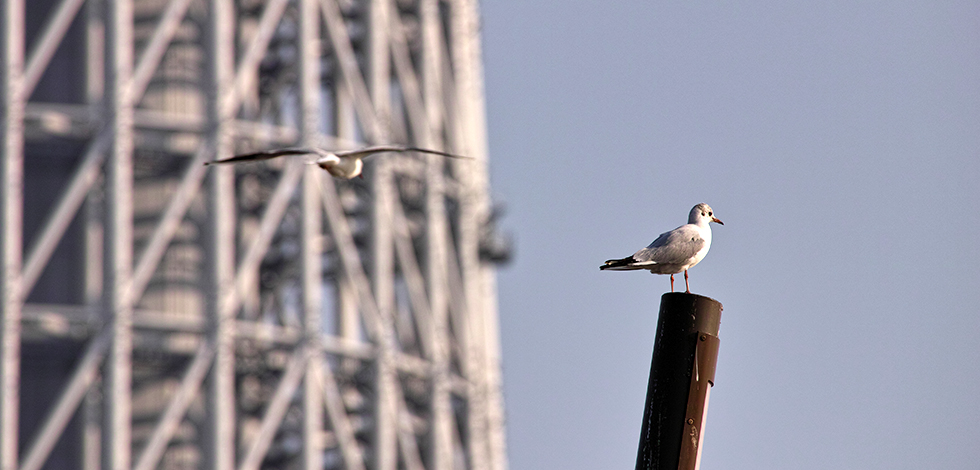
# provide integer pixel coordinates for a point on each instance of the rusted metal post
(682, 373)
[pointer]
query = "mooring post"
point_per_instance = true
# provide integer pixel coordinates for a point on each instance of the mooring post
(682, 372)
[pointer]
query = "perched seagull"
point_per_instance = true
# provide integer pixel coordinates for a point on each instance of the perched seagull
(346, 164)
(674, 251)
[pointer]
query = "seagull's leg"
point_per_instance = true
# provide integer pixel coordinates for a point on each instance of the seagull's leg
(672, 283)
(688, 286)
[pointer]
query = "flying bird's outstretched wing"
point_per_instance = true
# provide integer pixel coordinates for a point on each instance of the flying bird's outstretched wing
(263, 155)
(367, 152)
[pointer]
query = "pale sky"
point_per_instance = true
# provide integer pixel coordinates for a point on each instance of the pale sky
(839, 142)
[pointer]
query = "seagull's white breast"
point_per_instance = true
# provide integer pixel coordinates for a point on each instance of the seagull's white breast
(706, 235)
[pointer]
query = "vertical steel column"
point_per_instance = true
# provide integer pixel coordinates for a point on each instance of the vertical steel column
(471, 93)
(483, 348)
(497, 438)
(11, 216)
(220, 442)
(441, 449)
(464, 32)
(311, 245)
(119, 237)
(382, 238)
(92, 432)
(93, 404)
(347, 321)
(379, 70)
(94, 51)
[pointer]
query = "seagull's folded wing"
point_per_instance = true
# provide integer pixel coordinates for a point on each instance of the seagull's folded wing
(673, 247)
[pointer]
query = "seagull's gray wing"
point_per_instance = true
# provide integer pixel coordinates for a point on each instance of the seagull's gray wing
(674, 247)
(367, 152)
(264, 155)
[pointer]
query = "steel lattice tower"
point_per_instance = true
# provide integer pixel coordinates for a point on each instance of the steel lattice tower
(159, 313)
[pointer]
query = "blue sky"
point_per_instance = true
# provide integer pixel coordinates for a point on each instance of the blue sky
(839, 142)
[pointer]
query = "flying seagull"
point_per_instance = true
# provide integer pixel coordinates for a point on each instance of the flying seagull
(674, 251)
(345, 164)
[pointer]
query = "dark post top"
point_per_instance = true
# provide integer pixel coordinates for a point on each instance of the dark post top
(705, 312)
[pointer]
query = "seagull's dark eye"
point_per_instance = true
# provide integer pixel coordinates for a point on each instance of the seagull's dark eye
(711, 213)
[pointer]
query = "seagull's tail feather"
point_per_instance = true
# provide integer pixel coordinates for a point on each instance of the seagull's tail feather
(618, 264)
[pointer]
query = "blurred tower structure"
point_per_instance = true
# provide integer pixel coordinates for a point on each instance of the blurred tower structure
(158, 313)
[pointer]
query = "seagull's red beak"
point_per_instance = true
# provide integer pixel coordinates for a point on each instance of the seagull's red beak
(717, 221)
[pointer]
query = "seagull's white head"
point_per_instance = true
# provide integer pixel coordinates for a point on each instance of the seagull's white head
(702, 214)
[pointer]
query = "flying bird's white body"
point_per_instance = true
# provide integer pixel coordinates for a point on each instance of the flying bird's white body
(346, 168)
(346, 164)
(674, 251)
